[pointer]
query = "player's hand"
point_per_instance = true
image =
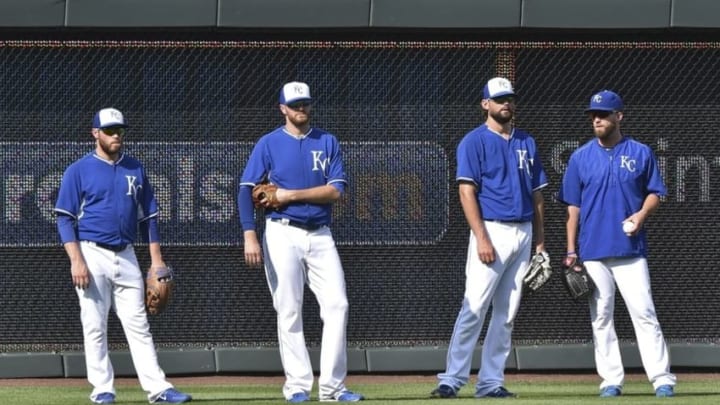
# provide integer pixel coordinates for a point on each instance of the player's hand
(253, 252)
(486, 251)
(636, 219)
(80, 274)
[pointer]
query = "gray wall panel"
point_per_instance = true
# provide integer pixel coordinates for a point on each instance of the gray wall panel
(32, 13)
(362, 13)
(591, 14)
(397, 359)
(187, 361)
(578, 356)
(142, 13)
(446, 13)
(30, 365)
(74, 364)
(695, 13)
(293, 13)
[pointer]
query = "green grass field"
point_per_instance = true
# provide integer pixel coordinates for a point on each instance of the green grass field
(695, 392)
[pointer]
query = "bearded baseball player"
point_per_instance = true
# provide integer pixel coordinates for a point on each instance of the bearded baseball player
(611, 186)
(305, 164)
(102, 198)
(500, 180)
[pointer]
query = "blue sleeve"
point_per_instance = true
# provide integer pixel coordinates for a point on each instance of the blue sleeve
(246, 209)
(570, 192)
(148, 203)
(336, 175)
(339, 185)
(468, 165)
(66, 228)
(68, 200)
(257, 167)
(655, 184)
(539, 179)
(149, 230)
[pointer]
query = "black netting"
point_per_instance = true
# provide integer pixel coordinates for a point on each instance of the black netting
(399, 108)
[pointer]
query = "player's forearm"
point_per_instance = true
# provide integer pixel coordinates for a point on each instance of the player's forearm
(316, 195)
(471, 209)
(539, 221)
(571, 227)
(650, 205)
(156, 258)
(73, 251)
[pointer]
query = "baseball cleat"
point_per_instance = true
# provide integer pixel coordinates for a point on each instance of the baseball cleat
(665, 391)
(104, 398)
(173, 396)
(298, 397)
(499, 392)
(611, 391)
(444, 391)
(344, 396)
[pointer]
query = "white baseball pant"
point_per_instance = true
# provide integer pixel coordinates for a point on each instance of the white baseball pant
(499, 284)
(633, 280)
(294, 257)
(116, 280)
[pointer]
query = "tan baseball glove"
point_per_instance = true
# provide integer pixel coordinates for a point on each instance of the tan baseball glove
(159, 285)
(264, 195)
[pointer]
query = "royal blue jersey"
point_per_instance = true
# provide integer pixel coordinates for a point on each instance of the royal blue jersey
(106, 199)
(609, 185)
(295, 163)
(505, 172)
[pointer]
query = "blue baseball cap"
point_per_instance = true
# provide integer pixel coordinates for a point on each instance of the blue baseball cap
(294, 91)
(498, 87)
(109, 117)
(605, 100)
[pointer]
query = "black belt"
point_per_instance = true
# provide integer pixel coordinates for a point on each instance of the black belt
(510, 221)
(296, 224)
(114, 248)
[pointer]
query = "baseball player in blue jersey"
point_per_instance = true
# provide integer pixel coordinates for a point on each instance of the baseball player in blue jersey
(611, 186)
(102, 198)
(500, 180)
(306, 164)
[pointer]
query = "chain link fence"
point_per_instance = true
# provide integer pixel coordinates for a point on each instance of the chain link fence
(399, 109)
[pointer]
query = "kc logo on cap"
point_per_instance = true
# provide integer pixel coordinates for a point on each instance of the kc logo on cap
(109, 117)
(498, 87)
(605, 100)
(294, 91)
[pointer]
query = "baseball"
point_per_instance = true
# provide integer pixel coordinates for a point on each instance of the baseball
(628, 227)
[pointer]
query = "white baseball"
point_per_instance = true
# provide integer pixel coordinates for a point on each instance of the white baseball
(628, 227)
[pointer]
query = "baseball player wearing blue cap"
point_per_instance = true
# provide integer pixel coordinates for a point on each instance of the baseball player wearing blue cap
(500, 178)
(611, 186)
(306, 164)
(102, 198)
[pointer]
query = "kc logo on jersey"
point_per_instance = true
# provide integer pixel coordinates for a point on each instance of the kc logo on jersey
(627, 163)
(523, 162)
(132, 187)
(318, 162)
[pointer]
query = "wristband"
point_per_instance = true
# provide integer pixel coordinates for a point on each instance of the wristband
(571, 253)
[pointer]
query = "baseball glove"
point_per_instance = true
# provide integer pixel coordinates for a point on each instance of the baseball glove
(266, 192)
(538, 273)
(159, 286)
(576, 278)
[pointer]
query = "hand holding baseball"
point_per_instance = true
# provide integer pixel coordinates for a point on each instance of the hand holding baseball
(628, 227)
